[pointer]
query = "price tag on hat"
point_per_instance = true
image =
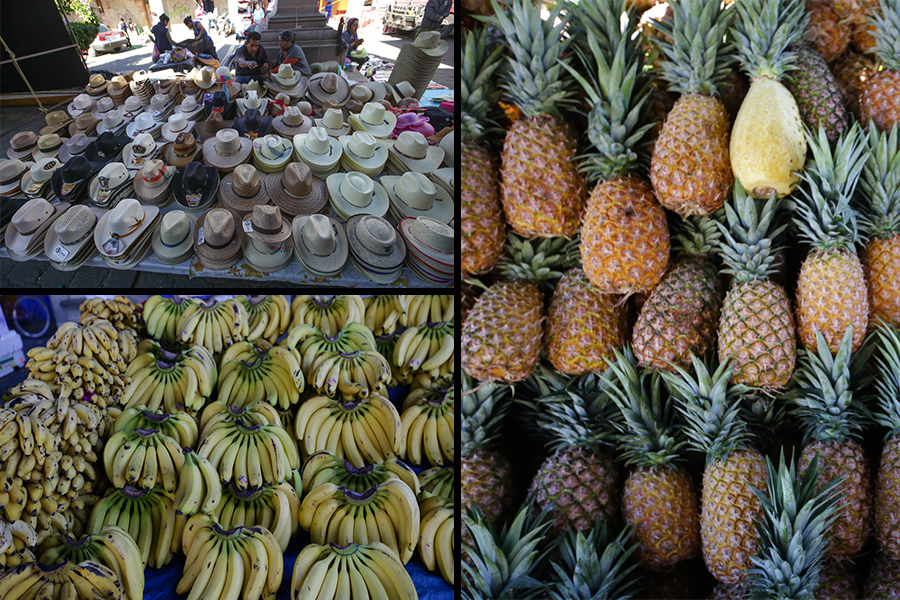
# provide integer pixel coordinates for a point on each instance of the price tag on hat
(248, 227)
(200, 236)
(60, 253)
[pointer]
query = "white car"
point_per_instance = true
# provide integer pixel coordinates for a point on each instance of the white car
(108, 40)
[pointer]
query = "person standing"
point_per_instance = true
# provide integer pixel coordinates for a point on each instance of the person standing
(124, 29)
(163, 41)
(291, 54)
(435, 13)
(250, 60)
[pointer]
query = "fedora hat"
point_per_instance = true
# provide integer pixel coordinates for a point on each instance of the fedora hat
(48, 146)
(374, 119)
(253, 124)
(160, 107)
(109, 185)
(242, 189)
(356, 194)
(117, 85)
(132, 107)
(80, 104)
(205, 78)
(320, 244)
(362, 93)
(267, 257)
(226, 150)
(173, 241)
(195, 187)
(292, 122)
(57, 121)
(22, 144)
(189, 108)
(272, 152)
(176, 125)
(84, 123)
(104, 105)
(333, 122)
(363, 153)
(153, 182)
(379, 91)
(412, 151)
(143, 123)
(217, 238)
(328, 86)
(415, 195)
(431, 246)
(35, 182)
(72, 178)
(112, 122)
(448, 145)
(377, 249)
(125, 227)
(252, 100)
(27, 228)
(182, 151)
(11, 172)
(106, 148)
(266, 224)
(286, 76)
(96, 85)
(296, 191)
(69, 243)
(318, 150)
(142, 149)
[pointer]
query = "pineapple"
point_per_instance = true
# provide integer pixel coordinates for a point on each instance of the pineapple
(884, 578)
(483, 226)
(851, 71)
(625, 237)
(833, 421)
(817, 93)
(831, 289)
(880, 222)
(541, 190)
(711, 409)
(768, 148)
(682, 313)
(756, 327)
(880, 101)
(658, 498)
(690, 169)
(887, 488)
(838, 580)
(827, 33)
(593, 566)
(855, 11)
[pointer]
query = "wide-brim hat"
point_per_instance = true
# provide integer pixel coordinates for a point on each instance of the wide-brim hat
(143, 123)
(114, 123)
(106, 195)
(207, 129)
(70, 235)
(75, 146)
(379, 91)
(57, 121)
(342, 195)
(80, 104)
(183, 124)
(312, 248)
(331, 118)
(227, 251)
(48, 146)
(11, 176)
(23, 144)
(242, 105)
(408, 141)
(374, 119)
(158, 183)
(429, 44)
(135, 161)
(106, 148)
(296, 91)
(182, 151)
(272, 153)
(189, 113)
(289, 131)
(103, 103)
(73, 178)
(205, 77)
(224, 153)
(173, 240)
(286, 190)
(97, 85)
(75, 261)
(266, 224)
(29, 225)
(243, 199)
(319, 95)
(286, 76)
(36, 181)
(253, 124)
(85, 123)
(318, 162)
(376, 244)
(195, 199)
(277, 257)
(432, 241)
(448, 145)
(124, 227)
(371, 165)
(442, 208)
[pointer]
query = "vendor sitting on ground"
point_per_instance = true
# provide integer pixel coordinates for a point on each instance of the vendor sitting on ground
(353, 41)
(202, 43)
(291, 54)
(250, 60)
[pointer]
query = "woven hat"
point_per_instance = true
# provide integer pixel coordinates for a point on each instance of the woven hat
(217, 238)
(320, 244)
(195, 186)
(268, 257)
(431, 246)
(205, 78)
(153, 182)
(118, 85)
(189, 108)
(251, 100)
(327, 105)
(72, 178)
(143, 123)
(106, 148)
(22, 144)
(132, 107)
(80, 104)
(69, 243)
(48, 146)
(104, 105)
(362, 93)
(125, 227)
(353, 106)
(11, 172)
(296, 90)
(96, 85)
(415, 195)
(266, 224)
(242, 189)
(182, 151)
(253, 124)
(379, 91)
(176, 125)
(173, 241)
(286, 76)
(363, 153)
(142, 89)
(272, 153)
(296, 191)
(377, 249)
(333, 122)
(27, 228)
(292, 122)
(411, 150)
(35, 182)
(401, 90)
(165, 87)
(318, 150)
(444, 178)
(160, 107)
(111, 183)
(304, 107)
(57, 121)
(448, 145)
(211, 126)
(374, 119)
(253, 85)
(328, 86)
(84, 123)
(227, 150)
(112, 122)
(356, 194)
(142, 149)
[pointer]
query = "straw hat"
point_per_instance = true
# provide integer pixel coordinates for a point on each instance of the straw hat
(11, 172)
(73, 178)
(415, 195)
(143, 90)
(96, 85)
(176, 125)
(22, 144)
(266, 224)
(268, 257)
(84, 123)
(296, 191)
(292, 122)
(253, 85)
(57, 121)
(195, 187)
(227, 150)
(253, 124)
(165, 87)
(81, 104)
(182, 151)
(124, 227)
(412, 151)
(112, 122)
(271, 153)
(286, 76)
(211, 126)
(333, 122)
(69, 243)
(353, 106)
(374, 119)
(153, 182)
(26, 230)
(304, 107)
(448, 145)
(104, 105)
(401, 90)
(205, 78)
(319, 150)
(444, 178)
(132, 107)
(242, 189)
(362, 93)
(252, 100)
(327, 105)
(379, 91)
(356, 194)
(278, 82)
(377, 249)
(118, 86)
(142, 149)
(106, 148)
(35, 182)
(429, 43)
(328, 86)
(143, 123)
(160, 107)
(189, 108)
(48, 146)
(431, 246)
(217, 238)
(109, 185)
(320, 244)
(173, 241)
(363, 153)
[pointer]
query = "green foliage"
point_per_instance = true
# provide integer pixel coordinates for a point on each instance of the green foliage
(84, 34)
(86, 30)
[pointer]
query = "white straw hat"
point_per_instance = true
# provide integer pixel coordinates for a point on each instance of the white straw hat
(80, 104)
(415, 195)
(142, 149)
(143, 123)
(333, 122)
(374, 119)
(411, 150)
(111, 183)
(173, 241)
(320, 244)
(364, 153)
(356, 194)
(431, 247)
(318, 150)
(27, 228)
(176, 125)
(124, 227)
(36, 181)
(69, 243)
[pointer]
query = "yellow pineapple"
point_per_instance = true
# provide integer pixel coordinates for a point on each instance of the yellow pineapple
(887, 487)
(880, 101)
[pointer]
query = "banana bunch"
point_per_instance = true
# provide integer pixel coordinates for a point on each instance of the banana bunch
(313, 343)
(328, 314)
(352, 572)
(438, 481)
(86, 580)
(161, 316)
(425, 349)
(386, 513)
(382, 314)
(324, 467)
(419, 309)
(353, 375)
(179, 426)
(143, 458)
(126, 339)
(16, 540)
(250, 455)
(213, 325)
(436, 540)
(97, 340)
(427, 422)
(175, 381)
(255, 371)
(149, 518)
(275, 507)
(385, 345)
(362, 431)
(81, 377)
(270, 316)
(25, 442)
(199, 488)
(120, 311)
(255, 413)
(111, 546)
(222, 564)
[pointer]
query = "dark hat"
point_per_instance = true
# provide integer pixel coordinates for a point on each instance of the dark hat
(220, 103)
(253, 123)
(9, 207)
(73, 177)
(195, 186)
(106, 147)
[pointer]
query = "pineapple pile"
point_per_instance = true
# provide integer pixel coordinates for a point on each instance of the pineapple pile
(681, 256)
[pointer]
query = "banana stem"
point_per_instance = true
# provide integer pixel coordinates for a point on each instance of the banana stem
(358, 471)
(323, 301)
(360, 498)
(348, 550)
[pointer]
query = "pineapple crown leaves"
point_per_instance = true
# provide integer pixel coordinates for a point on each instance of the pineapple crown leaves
(698, 235)
(539, 261)
(879, 213)
(534, 81)
(594, 567)
(502, 562)
(480, 68)
(762, 32)
(698, 60)
(748, 242)
(648, 437)
(792, 532)
(887, 383)
(887, 32)
(483, 409)
(711, 409)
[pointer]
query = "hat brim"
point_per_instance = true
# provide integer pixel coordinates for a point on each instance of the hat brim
(152, 194)
(226, 163)
(375, 162)
(25, 183)
(94, 189)
(232, 201)
(295, 91)
(129, 160)
(179, 161)
(382, 131)
(443, 260)
(92, 154)
(73, 129)
(283, 129)
(296, 205)
(242, 106)
(318, 160)
(273, 238)
(17, 154)
(132, 242)
(378, 262)
(207, 195)
(331, 263)
(434, 156)
(56, 183)
(265, 263)
(37, 155)
(218, 256)
(335, 133)
(138, 252)
(378, 207)
(74, 112)
(25, 244)
(175, 254)
(131, 131)
(84, 254)
(170, 135)
(51, 241)
(443, 208)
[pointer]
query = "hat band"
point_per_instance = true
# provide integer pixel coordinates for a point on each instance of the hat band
(131, 231)
(81, 239)
(51, 149)
(186, 235)
(11, 179)
(253, 195)
(350, 151)
(24, 148)
(215, 246)
(280, 154)
(188, 153)
(402, 153)
(239, 146)
(264, 230)
(161, 174)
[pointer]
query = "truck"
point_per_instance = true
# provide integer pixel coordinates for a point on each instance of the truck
(404, 16)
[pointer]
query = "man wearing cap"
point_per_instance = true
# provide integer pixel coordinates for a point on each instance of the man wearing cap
(435, 13)
(251, 60)
(291, 54)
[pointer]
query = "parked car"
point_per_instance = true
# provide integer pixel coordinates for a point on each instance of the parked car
(108, 40)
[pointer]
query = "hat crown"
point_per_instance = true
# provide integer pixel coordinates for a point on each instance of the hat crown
(76, 169)
(105, 105)
(204, 75)
(132, 103)
(333, 119)
(252, 119)
(317, 141)
(77, 143)
(362, 93)
(158, 101)
(188, 104)
(292, 116)
(412, 144)
(153, 174)
(177, 122)
(106, 144)
(73, 224)
(227, 142)
(427, 39)
(434, 234)
(112, 175)
(185, 143)
(112, 118)
(246, 180)
(82, 101)
(222, 73)
(285, 71)
(31, 215)
(143, 145)
(84, 121)
(405, 89)
(376, 235)
(11, 168)
(118, 82)
(194, 177)
(56, 117)
(362, 144)
(329, 83)
(49, 141)
(416, 190)
(304, 107)
(22, 140)
(372, 113)
(274, 147)
(214, 123)
(297, 179)
(252, 99)
(143, 122)
(42, 170)
(124, 217)
(358, 189)
(318, 235)
(219, 226)
(175, 228)
(266, 218)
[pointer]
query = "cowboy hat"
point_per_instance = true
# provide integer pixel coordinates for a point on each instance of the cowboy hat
(353, 106)
(328, 105)
(271, 153)
(48, 146)
(11, 172)
(252, 100)
(142, 149)
(226, 150)
(118, 85)
(400, 91)
(286, 76)
(356, 194)
(379, 91)
(56, 121)
(320, 244)
(292, 122)
(448, 145)
(173, 241)
(22, 144)
(165, 87)
(217, 238)
(182, 151)
(143, 123)
(80, 104)
(411, 150)
(267, 257)
(318, 150)
(328, 86)
(296, 90)
(189, 108)
(142, 90)
(122, 229)
(131, 108)
(106, 148)
(195, 187)
(296, 191)
(253, 85)
(104, 105)
(161, 107)
(69, 243)
(219, 103)
(374, 119)
(205, 78)
(363, 153)
(362, 93)
(253, 124)
(415, 195)
(35, 182)
(211, 126)
(27, 228)
(112, 122)
(242, 189)
(377, 249)
(431, 246)
(153, 182)
(333, 122)
(73, 178)
(96, 85)
(84, 123)
(109, 185)
(176, 125)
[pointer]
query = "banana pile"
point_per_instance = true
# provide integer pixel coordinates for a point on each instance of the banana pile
(350, 572)
(255, 413)
(438, 481)
(213, 325)
(161, 316)
(328, 314)
(120, 311)
(87, 580)
(172, 381)
(436, 540)
(324, 467)
(418, 310)
(199, 489)
(143, 458)
(427, 349)
(255, 371)
(275, 507)
(179, 426)
(427, 424)
(111, 546)
(270, 316)
(16, 540)
(227, 564)
(382, 314)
